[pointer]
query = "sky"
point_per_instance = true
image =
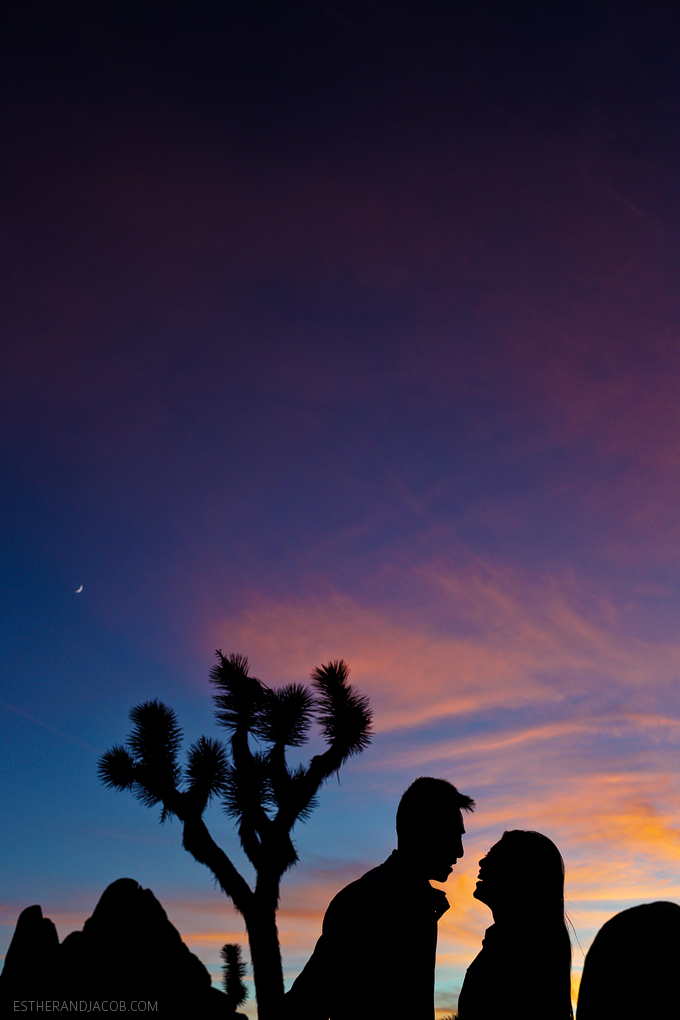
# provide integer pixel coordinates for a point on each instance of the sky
(343, 330)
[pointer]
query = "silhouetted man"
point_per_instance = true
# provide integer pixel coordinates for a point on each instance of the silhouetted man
(376, 954)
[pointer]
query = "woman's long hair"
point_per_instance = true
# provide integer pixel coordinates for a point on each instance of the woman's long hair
(534, 872)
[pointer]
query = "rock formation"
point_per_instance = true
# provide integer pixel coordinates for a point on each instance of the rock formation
(128, 950)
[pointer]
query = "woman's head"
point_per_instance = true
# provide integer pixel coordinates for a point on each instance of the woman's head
(522, 874)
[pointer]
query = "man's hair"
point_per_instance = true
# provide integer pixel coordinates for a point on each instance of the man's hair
(425, 798)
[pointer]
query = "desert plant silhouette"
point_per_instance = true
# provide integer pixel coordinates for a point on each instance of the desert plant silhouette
(234, 970)
(258, 787)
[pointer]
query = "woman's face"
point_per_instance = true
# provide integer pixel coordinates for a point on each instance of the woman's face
(514, 877)
(495, 879)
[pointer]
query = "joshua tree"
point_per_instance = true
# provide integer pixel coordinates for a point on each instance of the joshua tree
(258, 788)
(234, 970)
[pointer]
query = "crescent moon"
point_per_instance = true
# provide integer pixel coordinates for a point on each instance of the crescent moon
(78, 590)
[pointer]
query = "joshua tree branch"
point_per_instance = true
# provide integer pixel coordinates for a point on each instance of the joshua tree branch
(200, 844)
(254, 822)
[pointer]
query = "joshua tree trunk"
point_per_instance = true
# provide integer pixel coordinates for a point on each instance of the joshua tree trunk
(265, 955)
(258, 909)
(259, 912)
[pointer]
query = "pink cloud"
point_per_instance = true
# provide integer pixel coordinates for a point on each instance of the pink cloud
(501, 639)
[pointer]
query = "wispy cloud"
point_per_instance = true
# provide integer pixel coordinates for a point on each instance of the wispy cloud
(497, 640)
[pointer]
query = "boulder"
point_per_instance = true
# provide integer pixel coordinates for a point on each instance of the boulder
(32, 958)
(127, 950)
(631, 967)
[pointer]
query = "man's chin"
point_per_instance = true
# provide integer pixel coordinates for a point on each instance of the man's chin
(442, 873)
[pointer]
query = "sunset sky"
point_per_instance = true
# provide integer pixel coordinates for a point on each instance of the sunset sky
(344, 330)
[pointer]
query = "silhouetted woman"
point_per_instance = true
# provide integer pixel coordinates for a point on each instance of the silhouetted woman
(524, 968)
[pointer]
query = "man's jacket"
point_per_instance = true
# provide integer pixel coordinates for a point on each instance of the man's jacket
(376, 955)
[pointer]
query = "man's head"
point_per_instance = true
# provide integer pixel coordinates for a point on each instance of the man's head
(430, 826)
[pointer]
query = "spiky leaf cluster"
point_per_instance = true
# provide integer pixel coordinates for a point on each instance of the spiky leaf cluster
(207, 769)
(234, 971)
(343, 713)
(238, 701)
(300, 792)
(148, 764)
(154, 742)
(286, 715)
(116, 769)
(246, 789)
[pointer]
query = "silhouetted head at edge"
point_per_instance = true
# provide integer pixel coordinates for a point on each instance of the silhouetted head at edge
(522, 876)
(430, 827)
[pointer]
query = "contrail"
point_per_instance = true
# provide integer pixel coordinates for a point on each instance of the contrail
(48, 726)
(626, 202)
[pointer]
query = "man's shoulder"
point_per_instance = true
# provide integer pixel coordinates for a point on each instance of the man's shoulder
(375, 885)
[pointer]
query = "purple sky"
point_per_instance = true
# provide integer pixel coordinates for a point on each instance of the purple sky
(344, 330)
